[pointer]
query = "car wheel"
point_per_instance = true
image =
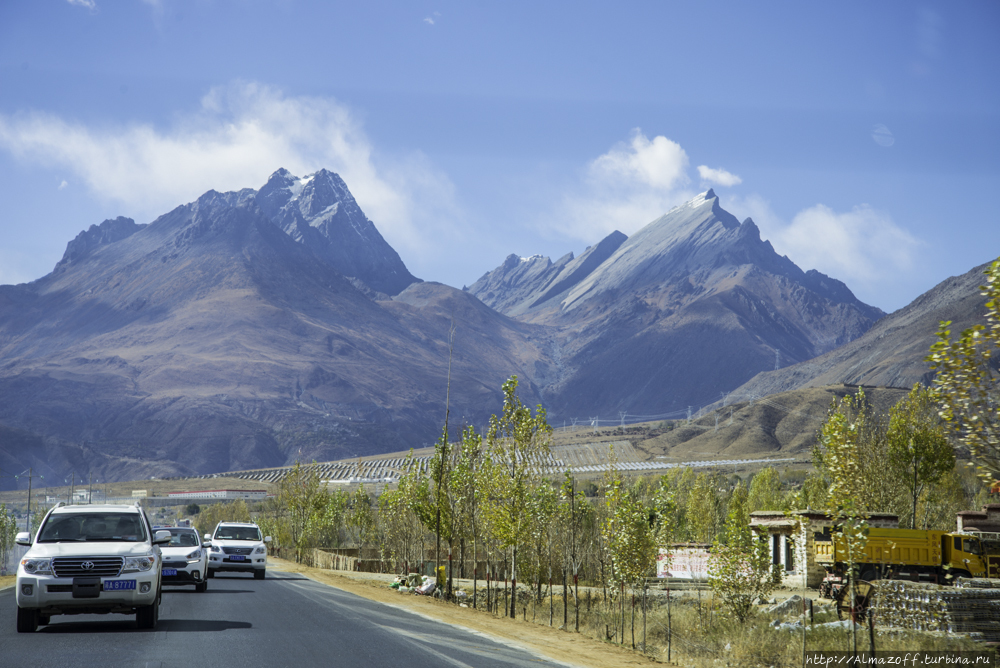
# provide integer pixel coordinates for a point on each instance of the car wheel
(44, 620)
(147, 616)
(27, 620)
(210, 573)
(201, 586)
(258, 575)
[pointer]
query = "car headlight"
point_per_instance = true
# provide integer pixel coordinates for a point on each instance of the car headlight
(194, 556)
(139, 564)
(37, 566)
(260, 550)
(216, 548)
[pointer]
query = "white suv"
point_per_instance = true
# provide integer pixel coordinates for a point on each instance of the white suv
(91, 559)
(237, 546)
(185, 559)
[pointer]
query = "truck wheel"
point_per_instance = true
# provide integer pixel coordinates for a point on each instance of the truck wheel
(27, 620)
(44, 620)
(147, 616)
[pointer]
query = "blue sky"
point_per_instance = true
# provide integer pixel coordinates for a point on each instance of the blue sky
(863, 138)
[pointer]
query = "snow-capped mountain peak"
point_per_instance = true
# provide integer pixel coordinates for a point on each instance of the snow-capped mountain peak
(318, 210)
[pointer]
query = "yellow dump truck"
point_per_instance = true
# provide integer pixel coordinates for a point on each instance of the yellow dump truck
(901, 554)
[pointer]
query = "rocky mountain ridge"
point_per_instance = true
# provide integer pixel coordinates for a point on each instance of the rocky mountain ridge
(687, 308)
(212, 340)
(892, 353)
(260, 327)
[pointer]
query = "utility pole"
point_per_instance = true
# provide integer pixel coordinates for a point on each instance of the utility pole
(689, 415)
(622, 415)
(716, 422)
(27, 513)
(777, 359)
(90, 492)
(593, 423)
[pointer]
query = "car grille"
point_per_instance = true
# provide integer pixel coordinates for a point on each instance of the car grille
(68, 567)
(237, 550)
(59, 589)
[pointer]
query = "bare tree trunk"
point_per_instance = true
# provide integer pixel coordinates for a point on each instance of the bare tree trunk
(513, 583)
(576, 598)
(633, 619)
(565, 602)
(551, 602)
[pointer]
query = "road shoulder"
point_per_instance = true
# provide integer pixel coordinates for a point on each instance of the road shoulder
(572, 649)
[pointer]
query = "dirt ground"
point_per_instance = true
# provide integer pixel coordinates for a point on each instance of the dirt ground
(571, 649)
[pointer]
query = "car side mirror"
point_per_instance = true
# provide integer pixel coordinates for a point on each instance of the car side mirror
(206, 543)
(161, 537)
(267, 539)
(208, 536)
(23, 538)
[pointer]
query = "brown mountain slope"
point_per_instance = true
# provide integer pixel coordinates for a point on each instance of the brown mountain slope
(893, 352)
(210, 340)
(780, 425)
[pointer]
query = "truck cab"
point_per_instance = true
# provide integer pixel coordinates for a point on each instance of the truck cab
(963, 554)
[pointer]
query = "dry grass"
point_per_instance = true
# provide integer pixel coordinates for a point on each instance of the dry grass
(704, 636)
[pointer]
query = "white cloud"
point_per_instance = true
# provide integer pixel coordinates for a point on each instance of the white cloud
(63, 185)
(861, 246)
(718, 176)
(625, 188)
(660, 163)
(239, 136)
(429, 21)
(89, 4)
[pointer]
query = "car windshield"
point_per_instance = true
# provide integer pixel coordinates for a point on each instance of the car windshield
(183, 538)
(237, 533)
(78, 527)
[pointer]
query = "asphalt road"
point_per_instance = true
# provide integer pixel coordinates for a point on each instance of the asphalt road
(284, 620)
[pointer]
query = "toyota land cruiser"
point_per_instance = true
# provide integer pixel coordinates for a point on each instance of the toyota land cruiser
(90, 559)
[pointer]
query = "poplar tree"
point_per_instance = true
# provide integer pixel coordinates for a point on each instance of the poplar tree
(966, 383)
(918, 447)
(518, 445)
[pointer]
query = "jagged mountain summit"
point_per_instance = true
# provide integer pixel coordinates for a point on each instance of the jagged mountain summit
(522, 283)
(318, 210)
(687, 308)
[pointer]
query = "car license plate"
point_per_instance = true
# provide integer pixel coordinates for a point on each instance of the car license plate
(118, 585)
(169, 572)
(236, 557)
